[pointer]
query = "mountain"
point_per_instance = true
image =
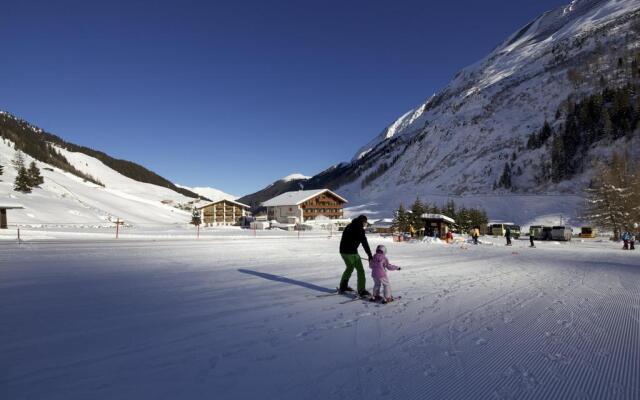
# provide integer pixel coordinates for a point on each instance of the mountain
(517, 132)
(82, 186)
(209, 193)
(36, 142)
(288, 183)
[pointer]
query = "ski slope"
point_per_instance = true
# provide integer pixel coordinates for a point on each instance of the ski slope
(232, 316)
(64, 198)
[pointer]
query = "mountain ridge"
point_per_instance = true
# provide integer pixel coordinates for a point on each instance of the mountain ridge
(460, 142)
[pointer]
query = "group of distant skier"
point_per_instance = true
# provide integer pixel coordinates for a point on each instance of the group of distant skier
(354, 235)
(629, 241)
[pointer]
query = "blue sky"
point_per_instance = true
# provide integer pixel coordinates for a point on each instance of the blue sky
(236, 94)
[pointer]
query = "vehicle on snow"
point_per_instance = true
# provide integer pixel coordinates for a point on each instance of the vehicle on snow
(561, 233)
(588, 232)
(499, 229)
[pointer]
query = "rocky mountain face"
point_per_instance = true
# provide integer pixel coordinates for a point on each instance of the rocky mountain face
(497, 135)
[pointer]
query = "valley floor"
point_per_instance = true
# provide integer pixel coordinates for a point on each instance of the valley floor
(235, 317)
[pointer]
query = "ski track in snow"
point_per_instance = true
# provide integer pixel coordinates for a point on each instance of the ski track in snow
(239, 318)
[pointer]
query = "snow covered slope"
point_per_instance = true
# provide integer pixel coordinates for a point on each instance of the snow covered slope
(210, 193)
(456, 144)
(64, 198)
(295, 177)
(289, 183)
(143, 319)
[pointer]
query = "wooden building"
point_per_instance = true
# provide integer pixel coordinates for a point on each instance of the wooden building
(305, 205)
(222, 212)
(3, 214)
(437, 225)
(384, 226)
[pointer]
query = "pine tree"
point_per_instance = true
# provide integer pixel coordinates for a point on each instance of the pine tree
(196, 218)
(21, 184)
(463, 220)
(505, 178)
(35, 179)
(449, 209)
(417, 209)
(545, 133)
(18, 161)
(401, 220)
(558, 159)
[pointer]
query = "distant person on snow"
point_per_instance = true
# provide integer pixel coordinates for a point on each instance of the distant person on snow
(449, 237)
(475, 234)
(379, 266)
(507, 235)
(625, 238)
(632, 241)
(352, 237)
(531, 238)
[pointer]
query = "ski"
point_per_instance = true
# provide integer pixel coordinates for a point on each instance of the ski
(354, 297)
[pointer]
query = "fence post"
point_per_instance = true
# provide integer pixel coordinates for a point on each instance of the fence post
(117, 228)
(19, 235)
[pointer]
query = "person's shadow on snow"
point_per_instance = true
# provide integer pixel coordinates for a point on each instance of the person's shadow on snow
(282, 279)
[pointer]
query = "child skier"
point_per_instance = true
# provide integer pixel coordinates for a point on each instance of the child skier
(625, 239)
(379, 266)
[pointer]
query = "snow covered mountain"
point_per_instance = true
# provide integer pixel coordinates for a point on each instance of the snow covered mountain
(82, 189)
(288, 183)
(210, 193)
(472, 142)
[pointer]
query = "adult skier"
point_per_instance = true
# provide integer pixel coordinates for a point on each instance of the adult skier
(531, 238)
(352, 237)
(507, 235)
(475, 235)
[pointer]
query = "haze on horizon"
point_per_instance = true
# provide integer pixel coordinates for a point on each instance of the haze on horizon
(234, 96)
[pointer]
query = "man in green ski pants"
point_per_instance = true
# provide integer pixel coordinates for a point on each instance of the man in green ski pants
(352, 236)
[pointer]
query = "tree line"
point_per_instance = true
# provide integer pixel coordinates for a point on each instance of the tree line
(611, 114)
(466, 218)
(613, 198)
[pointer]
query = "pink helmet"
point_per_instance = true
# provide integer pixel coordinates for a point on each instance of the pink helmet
(381, 249)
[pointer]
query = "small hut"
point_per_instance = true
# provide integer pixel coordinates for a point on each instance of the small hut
(437, 225)
(3, 214)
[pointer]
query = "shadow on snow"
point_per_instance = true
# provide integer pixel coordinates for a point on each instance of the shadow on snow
(282, 279)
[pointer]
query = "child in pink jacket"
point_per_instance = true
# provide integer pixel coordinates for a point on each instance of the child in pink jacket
(379, 266)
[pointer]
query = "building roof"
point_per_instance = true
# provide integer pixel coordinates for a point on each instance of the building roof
(11, 206)
(297, 197)
(384, 223)
(220, 201)
(438, 217)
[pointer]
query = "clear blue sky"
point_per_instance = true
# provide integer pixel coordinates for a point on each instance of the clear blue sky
(235, 94)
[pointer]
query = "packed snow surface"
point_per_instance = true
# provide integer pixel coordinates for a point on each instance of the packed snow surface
(233, 316)
(64, 198)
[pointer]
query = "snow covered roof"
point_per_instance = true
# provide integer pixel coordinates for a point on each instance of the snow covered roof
(221, 200)
(384, 223)
(438, 216)
(297, 197)
(11, 206)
